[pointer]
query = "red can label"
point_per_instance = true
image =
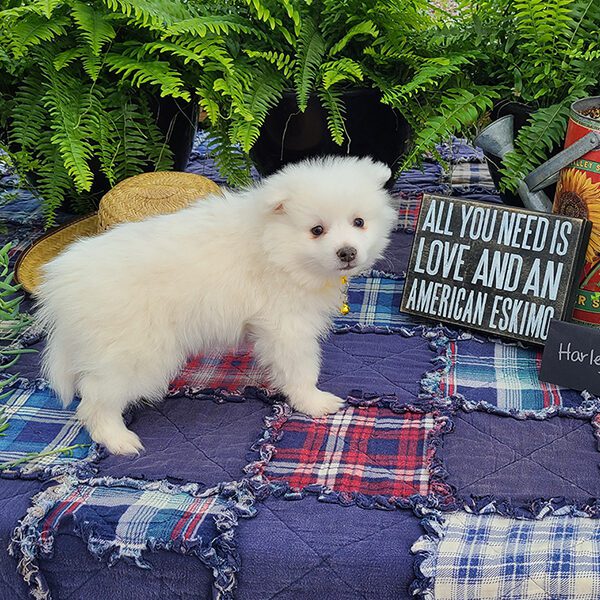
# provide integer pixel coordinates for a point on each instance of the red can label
(578, 195)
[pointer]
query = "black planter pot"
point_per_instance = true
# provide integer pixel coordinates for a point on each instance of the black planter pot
(288, 135)
(178, 120)
(521, 113)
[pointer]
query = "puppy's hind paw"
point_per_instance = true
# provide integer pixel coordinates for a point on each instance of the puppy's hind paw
(316, 403)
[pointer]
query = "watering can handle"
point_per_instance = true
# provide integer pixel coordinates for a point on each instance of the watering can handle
(548, 172)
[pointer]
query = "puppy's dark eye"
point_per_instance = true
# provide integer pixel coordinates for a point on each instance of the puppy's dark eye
(317, 230)
(358, 222)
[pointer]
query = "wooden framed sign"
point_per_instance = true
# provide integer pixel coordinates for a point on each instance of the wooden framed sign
(501, 270)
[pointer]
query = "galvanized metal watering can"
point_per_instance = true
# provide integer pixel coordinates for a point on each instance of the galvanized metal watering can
(497, 139)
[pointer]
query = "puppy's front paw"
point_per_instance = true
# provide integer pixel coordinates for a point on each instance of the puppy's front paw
(316, 403)
(121, 441)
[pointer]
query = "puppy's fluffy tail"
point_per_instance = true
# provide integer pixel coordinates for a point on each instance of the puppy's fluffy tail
(57, 364)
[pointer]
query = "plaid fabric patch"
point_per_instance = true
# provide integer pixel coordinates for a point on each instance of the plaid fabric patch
(408, 211)
(502, 376)
(231, 372)
(38, 424)
(369, 450)
(375, 304)
(471, 173)
(124, 517)
(491, 557)
(129, 516)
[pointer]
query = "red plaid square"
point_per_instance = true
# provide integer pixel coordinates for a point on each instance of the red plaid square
(232, 372)
(367, 450)
(408, 210)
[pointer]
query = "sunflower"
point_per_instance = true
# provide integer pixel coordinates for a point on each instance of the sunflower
(578, 196)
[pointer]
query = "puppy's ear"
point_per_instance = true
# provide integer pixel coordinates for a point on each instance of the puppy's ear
(380, 172)
(275, 195)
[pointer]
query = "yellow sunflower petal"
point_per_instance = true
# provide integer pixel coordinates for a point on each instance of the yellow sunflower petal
(578, 196)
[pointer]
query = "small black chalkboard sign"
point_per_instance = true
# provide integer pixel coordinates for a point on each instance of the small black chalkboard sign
(572, 357)
(502, 270)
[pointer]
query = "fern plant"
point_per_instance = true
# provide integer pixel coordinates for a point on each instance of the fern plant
(543, 53)
(78, 78)
(322, 48)
(76, 92)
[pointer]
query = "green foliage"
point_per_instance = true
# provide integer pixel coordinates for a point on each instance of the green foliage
(12, 323)
(78, 78)
(541, 53)
(77, 84)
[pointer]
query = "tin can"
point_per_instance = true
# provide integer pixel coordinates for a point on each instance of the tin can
(578, 195)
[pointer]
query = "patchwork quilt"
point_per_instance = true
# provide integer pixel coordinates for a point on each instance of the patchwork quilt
(450, 472)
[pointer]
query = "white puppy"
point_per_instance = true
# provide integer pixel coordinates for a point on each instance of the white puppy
(125, 309)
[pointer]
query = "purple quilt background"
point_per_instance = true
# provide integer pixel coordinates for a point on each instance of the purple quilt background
(310, 550)
(522, 460)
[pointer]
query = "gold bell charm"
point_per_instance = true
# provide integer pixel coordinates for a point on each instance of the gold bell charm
(345, 307)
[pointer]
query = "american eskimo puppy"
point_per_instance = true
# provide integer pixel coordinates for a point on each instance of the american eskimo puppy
(124, 310)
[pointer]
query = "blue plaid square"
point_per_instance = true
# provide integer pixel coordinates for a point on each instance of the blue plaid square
(38, 424)
(509, 559)
(375, 304)
(124, 517)
(502, 376)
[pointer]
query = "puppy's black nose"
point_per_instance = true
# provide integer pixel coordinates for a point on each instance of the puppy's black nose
(347, 254)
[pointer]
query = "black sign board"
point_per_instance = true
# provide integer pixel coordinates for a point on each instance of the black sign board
(572, 357)
(502, 270)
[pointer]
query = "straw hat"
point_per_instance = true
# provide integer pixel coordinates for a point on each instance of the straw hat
(133, 199)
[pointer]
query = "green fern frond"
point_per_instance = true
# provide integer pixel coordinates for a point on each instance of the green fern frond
(263, 13)
(35, 29)
(46, 7)
(175, 49)
(210, 106)
(66, 104)
(427, 77)
(28, 115)
(344, 69)
(92, 64)
(140, 72)
(94, 27)
(130, 157)
(65, 58)
(217, 24)
(293, 13)
(458, 110)
(263, 94)
(366, 28)
(54, 181)
(544, 131)
(282, 61)
(154, 14)
(106, 144)
(311, 49)
(336, 112)
(232, 163)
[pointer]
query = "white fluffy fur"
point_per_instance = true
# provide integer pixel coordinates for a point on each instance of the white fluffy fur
(125, 309)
